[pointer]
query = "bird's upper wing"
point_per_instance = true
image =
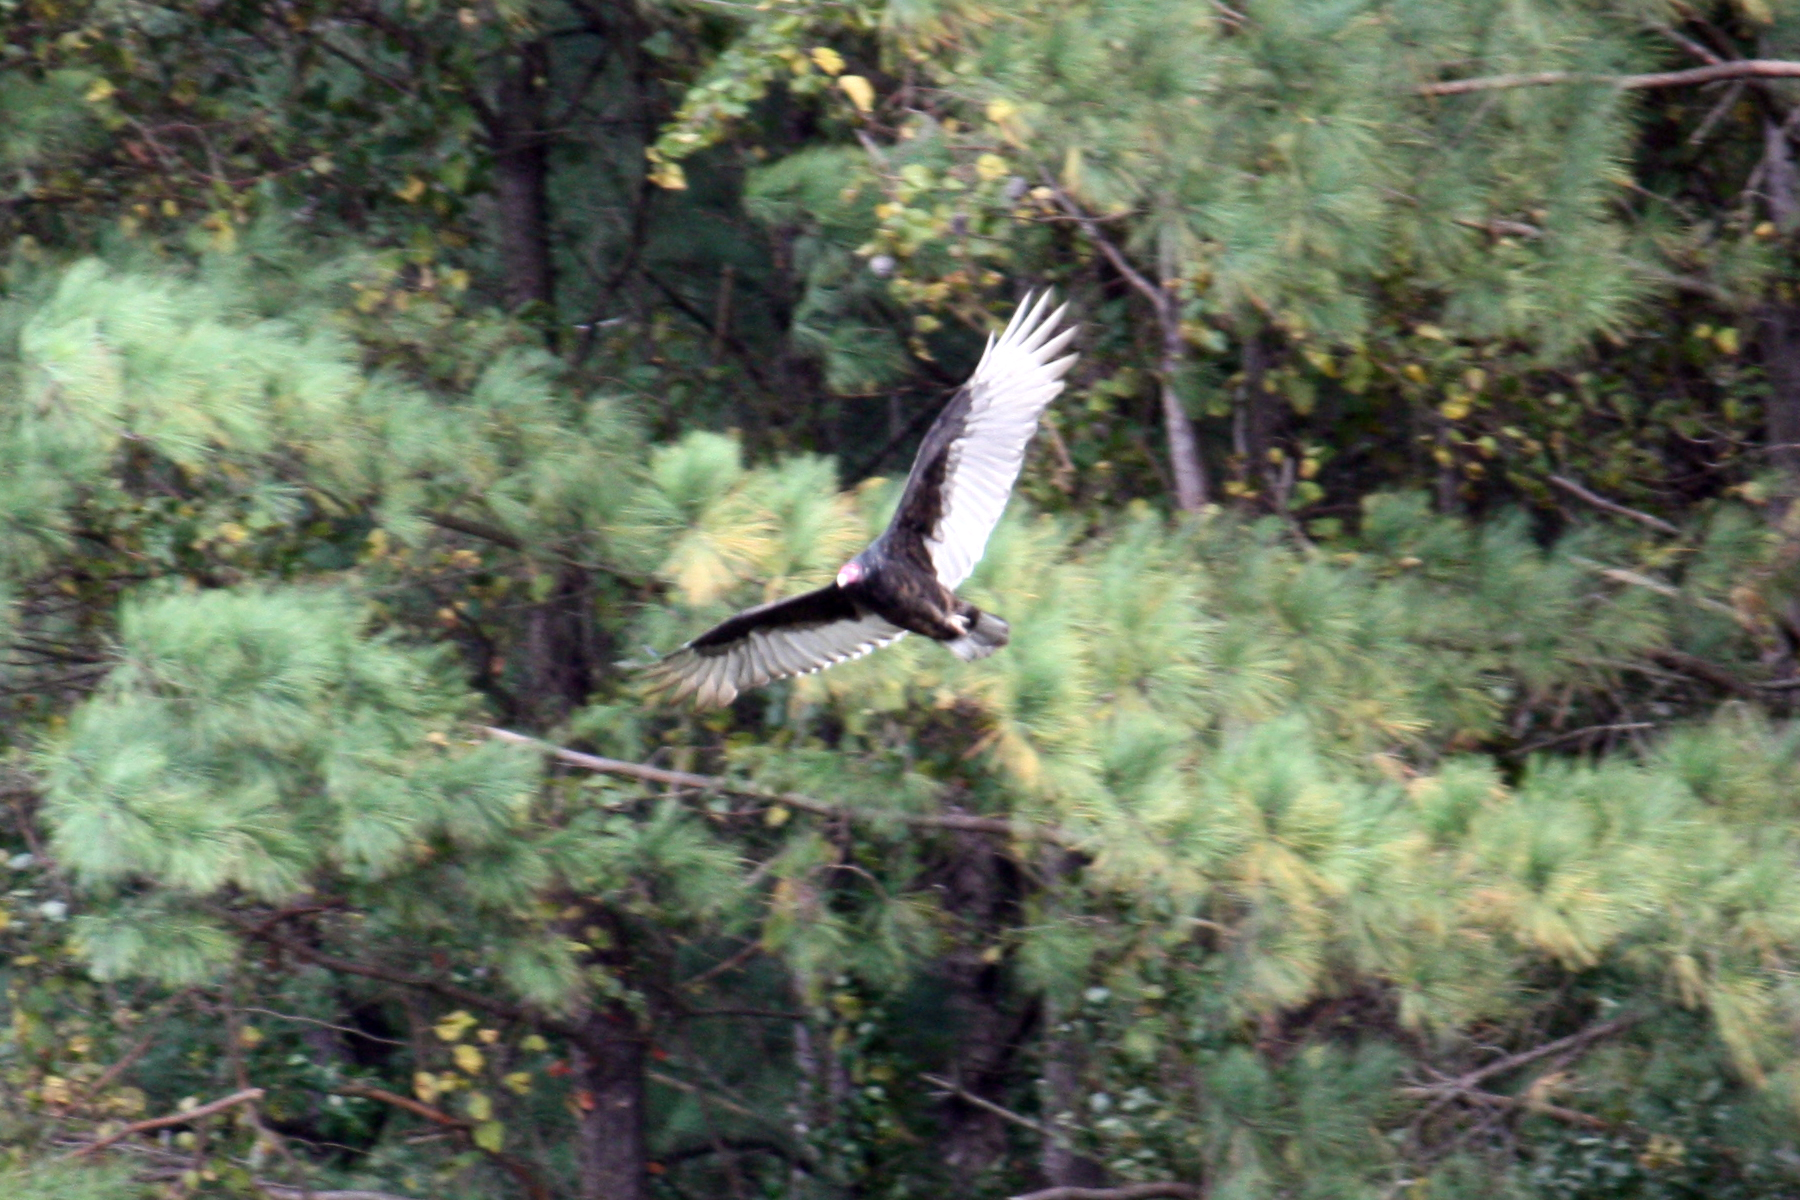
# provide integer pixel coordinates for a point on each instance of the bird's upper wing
(795, 636)
(967, 464)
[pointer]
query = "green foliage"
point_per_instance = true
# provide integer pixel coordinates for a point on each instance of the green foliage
(1400, 827)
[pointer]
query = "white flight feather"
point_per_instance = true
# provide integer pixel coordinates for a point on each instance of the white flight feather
(717, 675)
(1019, 374)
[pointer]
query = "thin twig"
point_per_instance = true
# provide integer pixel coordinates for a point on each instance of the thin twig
(1005, 1114)
(694, 1089)
(521, 1171)
(964, 822)
(1585, 731)
(1621, 575)
(720, 968)
(1569, 1116)
(449, 991)
(1575, 1041)
(269, 1012)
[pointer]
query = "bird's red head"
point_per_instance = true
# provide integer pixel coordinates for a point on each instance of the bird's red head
(851, 572)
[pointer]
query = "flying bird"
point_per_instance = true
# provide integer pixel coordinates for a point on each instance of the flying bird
(906, 580)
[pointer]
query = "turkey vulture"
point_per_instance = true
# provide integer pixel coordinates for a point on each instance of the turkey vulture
(905, 581)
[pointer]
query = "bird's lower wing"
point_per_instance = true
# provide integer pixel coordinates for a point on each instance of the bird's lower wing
(796, 636)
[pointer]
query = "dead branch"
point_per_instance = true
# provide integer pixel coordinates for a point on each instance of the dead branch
(1568, 1116)
(449, 991)
(1129, 1191)
(1005, 1114)
(1699, 668)
(1612, 506)
(1635, 579)
(247, 1096)
(1585, 731)
(1749, 68)
(1575, 1041)
(962, 822)
(520, 1171)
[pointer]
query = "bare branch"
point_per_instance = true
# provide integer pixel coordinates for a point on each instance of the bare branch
(1005, 1114)
(1575, 1041)
(1568, 1116)
(1614, 507)
(449, 991)
(269, 1012)
(521, 1171)
(1749, 68)
(962, 822)
(1129, 1191)
(247, 1096)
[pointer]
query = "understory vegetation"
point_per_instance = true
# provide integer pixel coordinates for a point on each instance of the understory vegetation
(1391, 790)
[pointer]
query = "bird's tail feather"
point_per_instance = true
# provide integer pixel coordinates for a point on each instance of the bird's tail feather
(986, 634)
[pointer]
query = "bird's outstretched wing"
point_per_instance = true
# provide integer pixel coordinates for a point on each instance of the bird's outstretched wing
(967, 464)
(795, 636)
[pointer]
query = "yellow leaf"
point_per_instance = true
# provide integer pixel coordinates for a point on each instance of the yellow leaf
(999, 110)
(777, 816)
(990, 167)
(518, 1081)
(452, 1027)
(487, 1037)
(1071, 171)
(490, 1136)
(861, 94)
(468, 1059)
(669, 175)
(478, 1106)
(533, 1043)
(250, 1035)
(411, 190)
(1726, 340)
(829, 60)
(99, 90)
(425, 1086)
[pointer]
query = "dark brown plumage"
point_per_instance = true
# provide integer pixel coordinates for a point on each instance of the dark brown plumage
(906, 581)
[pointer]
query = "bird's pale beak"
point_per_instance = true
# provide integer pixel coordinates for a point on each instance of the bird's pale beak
(849, 573)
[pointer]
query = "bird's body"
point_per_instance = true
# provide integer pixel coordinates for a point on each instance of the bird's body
(905, 582)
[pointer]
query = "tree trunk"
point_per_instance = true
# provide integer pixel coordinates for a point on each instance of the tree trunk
(1781, 412)
(981, 889)
(521, 178)
(1184, 446)
(1062, 1165)
(560, 633)
(609, 1069)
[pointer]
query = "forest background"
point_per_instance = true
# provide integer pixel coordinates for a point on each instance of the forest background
(1390, 790)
